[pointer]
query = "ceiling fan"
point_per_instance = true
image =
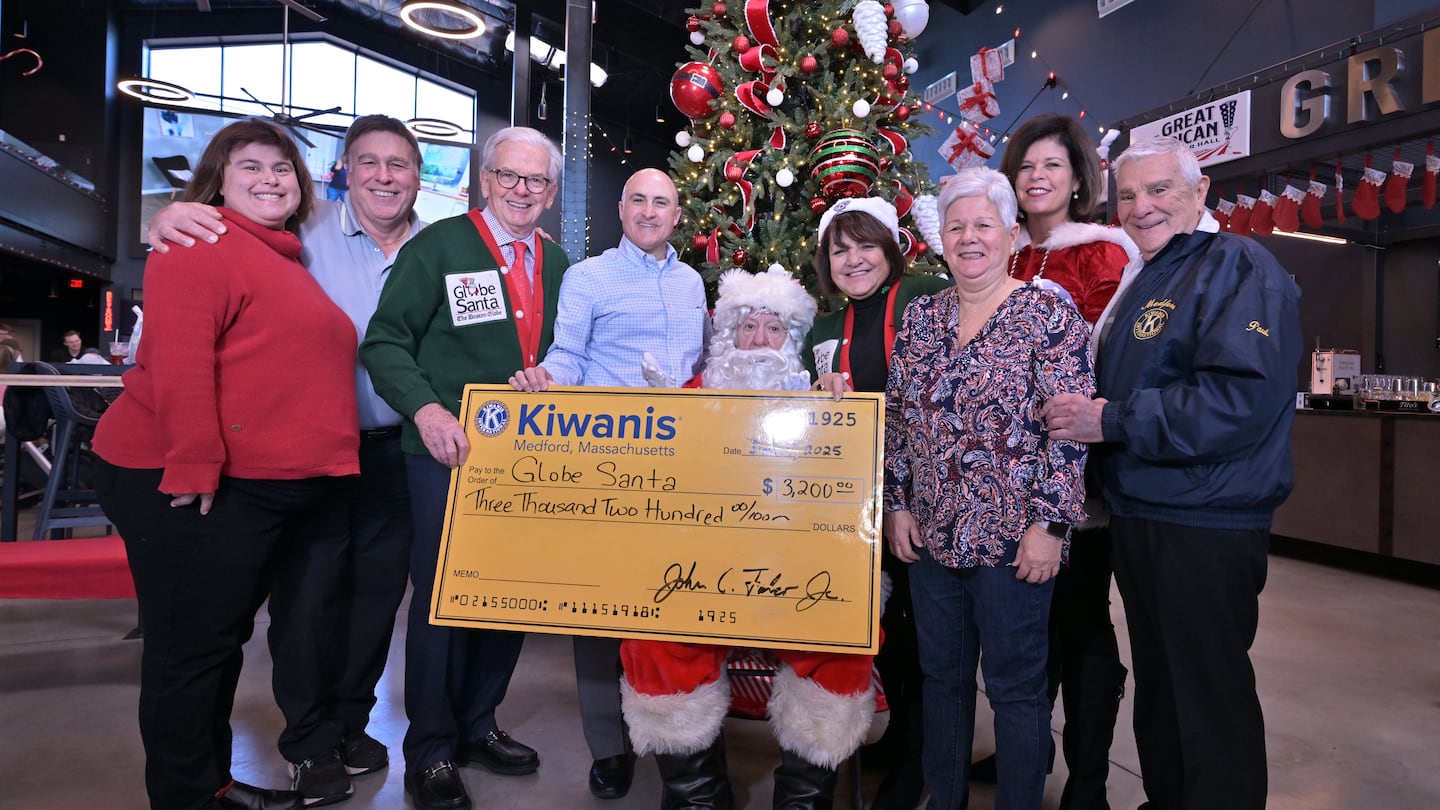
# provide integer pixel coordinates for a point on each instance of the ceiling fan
(283, 116)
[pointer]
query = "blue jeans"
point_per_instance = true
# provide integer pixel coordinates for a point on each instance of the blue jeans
(959, 613)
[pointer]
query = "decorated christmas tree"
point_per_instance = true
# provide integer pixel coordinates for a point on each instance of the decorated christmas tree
(793, 105)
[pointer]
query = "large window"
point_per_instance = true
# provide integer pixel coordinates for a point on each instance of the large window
(324, 73)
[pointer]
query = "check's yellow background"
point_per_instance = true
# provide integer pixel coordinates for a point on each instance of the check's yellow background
(730, 517)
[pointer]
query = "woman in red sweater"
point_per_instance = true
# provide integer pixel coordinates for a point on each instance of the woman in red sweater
(227, 457)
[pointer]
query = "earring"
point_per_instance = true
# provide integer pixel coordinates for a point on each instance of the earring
(1075, 195)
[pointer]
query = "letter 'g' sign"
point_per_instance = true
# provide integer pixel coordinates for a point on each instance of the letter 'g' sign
(730, 517)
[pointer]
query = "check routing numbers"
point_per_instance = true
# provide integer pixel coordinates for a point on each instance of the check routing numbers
(731, 517)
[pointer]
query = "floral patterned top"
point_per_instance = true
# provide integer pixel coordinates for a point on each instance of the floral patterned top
(965, 452)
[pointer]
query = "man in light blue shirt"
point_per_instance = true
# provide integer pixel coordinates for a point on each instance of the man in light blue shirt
(615, 308)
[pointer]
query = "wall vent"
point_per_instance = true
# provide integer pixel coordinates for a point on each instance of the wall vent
(941, 90)
(1007, 53)
(1107, 6)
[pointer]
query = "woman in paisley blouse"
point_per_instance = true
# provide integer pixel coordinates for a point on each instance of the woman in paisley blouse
(978, 498)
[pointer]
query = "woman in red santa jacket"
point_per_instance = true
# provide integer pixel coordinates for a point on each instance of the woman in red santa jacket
(675, 695)
(1058, 183)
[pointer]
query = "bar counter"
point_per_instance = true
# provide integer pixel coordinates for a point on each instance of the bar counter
(1366, 480)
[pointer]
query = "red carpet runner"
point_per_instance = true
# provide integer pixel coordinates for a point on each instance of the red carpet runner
(84, 568)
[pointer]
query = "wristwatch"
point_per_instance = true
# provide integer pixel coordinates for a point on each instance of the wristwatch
(1055, 528)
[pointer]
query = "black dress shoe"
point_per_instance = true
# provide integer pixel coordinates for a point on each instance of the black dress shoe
(610, 777)
(240, 796)
(500, 753)
(438, 787)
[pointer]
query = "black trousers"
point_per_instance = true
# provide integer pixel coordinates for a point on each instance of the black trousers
(454, 677)
(1192, 605)
(351, 585)
(199, 581)
(1085, 662)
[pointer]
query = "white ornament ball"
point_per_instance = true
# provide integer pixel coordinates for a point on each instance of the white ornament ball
(911, 65)
(913, 16)
(697, 38)
(776, 268)
(775, 97)
(696, 154)
(861, 108)
(784, 178)
(682, 139)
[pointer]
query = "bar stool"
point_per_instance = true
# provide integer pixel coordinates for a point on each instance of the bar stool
(66, 504)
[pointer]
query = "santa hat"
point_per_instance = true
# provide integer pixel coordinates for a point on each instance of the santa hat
(742, 294)
(874, 206)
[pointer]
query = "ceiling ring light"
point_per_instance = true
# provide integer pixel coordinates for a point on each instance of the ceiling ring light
(473, 25)
(433, 127)
(154, 90)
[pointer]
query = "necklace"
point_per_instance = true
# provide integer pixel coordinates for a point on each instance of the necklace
(1039, 274)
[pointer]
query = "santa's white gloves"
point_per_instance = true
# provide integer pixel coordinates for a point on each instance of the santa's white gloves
(654, 375)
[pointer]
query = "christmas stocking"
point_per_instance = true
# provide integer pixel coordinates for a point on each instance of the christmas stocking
(1240, 217)
(1223, 210)
(1262, 219)
(1395, 185)
(1310, 208)
(1366, 202)
(1287, 210)
(1432, 167)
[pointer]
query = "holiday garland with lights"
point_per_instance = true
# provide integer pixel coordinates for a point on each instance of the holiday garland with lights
(794, 104)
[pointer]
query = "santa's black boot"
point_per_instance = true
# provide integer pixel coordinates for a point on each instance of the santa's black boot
(803, 785)
(697, 781)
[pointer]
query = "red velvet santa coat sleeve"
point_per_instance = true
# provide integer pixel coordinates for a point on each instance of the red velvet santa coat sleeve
(1083, 258)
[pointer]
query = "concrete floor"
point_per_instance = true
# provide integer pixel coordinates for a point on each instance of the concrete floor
(1348, 665)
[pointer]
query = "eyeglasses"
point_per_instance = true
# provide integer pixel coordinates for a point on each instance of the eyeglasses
(534, 183)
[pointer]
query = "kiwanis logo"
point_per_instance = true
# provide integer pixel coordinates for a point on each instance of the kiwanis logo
(492, 418)
(1150, 323)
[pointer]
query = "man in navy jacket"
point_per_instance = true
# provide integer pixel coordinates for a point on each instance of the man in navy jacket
(1196, 364)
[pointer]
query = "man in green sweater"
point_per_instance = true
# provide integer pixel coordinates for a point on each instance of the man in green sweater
(470, 299)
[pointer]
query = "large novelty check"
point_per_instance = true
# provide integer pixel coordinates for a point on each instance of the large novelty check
(739, 518)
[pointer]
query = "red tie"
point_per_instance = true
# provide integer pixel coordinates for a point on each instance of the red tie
(522, 280)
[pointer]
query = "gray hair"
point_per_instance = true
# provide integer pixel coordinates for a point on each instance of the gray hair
(980, 181)
(1163, 145)
(524, 135)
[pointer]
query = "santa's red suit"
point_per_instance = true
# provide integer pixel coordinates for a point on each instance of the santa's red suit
(676, 695)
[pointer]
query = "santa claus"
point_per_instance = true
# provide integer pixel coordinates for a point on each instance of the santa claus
(676, 695)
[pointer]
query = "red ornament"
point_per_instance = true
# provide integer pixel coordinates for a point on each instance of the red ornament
(695, 88)
(818, 205)
(845, 163)
(840, 37)
(885, 164)
(719, 9)
(812, 130)
(734, 172)
(739, 257)
(921, 247)
(809, 64)
(727, 120)
(889, 10)
(902, 112)
(692, 25)
(903, 82)
(896, 29)
(890, 71)
(699, 241)
(741, 44)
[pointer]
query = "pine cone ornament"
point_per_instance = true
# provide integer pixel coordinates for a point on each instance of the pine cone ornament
(872, 28)
(927, 219)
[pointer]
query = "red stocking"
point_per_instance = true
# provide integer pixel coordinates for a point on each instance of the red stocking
(1223, 210)
(1427, 185)
(1366, 202)
(1395, 185)
(1262, 219)
(1240, 217)
(1310, 208)
(1287, 210)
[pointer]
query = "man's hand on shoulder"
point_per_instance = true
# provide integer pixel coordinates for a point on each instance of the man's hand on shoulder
(182, 223)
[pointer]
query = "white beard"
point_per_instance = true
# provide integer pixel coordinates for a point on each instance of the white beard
(755, 370)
